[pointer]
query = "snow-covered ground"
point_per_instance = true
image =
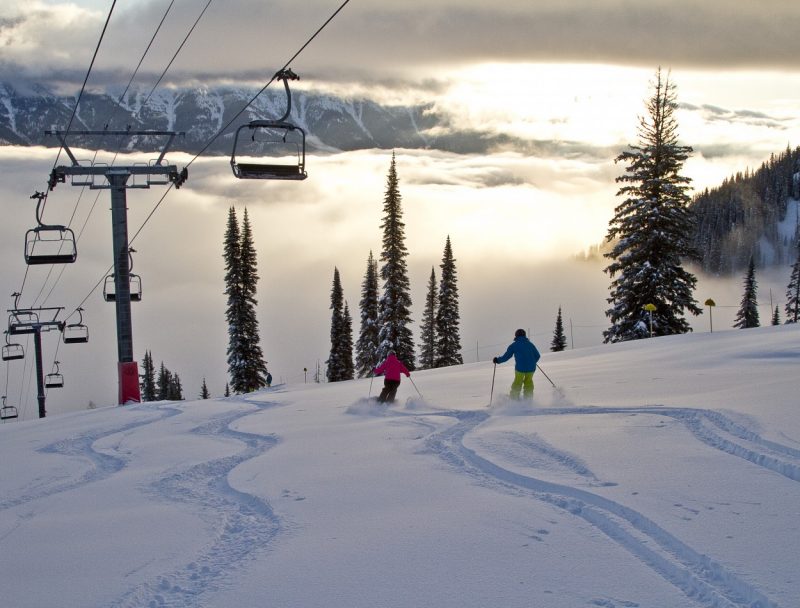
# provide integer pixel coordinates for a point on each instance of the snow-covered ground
(667, 475)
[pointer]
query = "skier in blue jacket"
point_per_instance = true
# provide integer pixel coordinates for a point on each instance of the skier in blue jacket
(526, 356)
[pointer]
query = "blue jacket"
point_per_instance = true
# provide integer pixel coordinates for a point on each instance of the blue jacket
(525, 353)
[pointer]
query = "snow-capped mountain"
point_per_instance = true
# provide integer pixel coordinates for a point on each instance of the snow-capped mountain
(331, 123)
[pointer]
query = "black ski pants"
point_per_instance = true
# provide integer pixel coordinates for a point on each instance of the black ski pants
(389, 391)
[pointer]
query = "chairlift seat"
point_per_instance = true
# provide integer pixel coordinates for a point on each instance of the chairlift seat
(50, 245)
(109, 288)
(271, 171)
(8, 412)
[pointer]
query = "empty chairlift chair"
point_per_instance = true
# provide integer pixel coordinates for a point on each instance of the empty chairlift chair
(134, 280)
(49, 244)
(8, 412)
(277, 147)
(75, 333)
(54, 380)
(12, 351)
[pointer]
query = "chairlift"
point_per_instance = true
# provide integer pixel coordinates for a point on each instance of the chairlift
(54, 380)
(283, 141)
(75, 333)
(12, 351)
(134, 280)
(49, 244)
(8, 412)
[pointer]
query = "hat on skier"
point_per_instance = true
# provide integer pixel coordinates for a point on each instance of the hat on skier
(520, 333)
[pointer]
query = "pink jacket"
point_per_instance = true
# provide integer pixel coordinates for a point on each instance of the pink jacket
(392, 368)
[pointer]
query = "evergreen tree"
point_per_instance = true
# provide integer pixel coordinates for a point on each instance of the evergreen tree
(163, 383)
(776, 316)
(175, 390)
(559, 342)
(394, 307)
(204, 394)
(652, 229)
(227, 390)
(246, 364)
(254, 368)
(448, 318)
(336, 361)
(748, 310)
(427, 353)
(367, 345)
(148, 378)
(793, 291)
(347, 344)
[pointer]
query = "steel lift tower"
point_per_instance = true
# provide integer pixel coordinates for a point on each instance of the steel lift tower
(118, 180)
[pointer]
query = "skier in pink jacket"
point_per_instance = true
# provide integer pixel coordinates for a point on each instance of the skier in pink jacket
(391, 369)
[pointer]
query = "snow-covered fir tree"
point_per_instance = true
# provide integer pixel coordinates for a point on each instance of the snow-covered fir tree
(793, 291)
(748, 310)
(394, 306)
(559, 341)
(246, 365)
(347, 344)
(776, 316)
(448, 317)
(427, 346)
(148, 378)
(204, 394)
(367, 344)
(652, 229)
(340, 360)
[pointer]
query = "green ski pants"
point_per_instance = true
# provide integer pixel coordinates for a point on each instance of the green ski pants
(523, 381)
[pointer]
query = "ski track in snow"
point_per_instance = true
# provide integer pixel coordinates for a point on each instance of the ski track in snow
(705, 582)
(102, 465)
(241, 524)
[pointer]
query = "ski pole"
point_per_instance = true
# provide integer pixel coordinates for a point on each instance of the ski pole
(371, 378)
(548, 378)
(415, 386)
(491, 393)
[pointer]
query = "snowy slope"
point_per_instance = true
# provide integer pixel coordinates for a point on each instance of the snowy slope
(668, 475)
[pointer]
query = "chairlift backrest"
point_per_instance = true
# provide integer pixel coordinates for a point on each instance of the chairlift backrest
(50, 245)
(22, 322)
(8, 412)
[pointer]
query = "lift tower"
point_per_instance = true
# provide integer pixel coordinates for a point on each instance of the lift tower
(116, 179)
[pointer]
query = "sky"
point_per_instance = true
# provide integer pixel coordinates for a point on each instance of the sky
(569, 78)
(662, 472)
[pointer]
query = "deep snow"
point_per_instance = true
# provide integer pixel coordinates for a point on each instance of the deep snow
(667, 475)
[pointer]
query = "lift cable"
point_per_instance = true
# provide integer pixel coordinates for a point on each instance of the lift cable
(214, 137)
(83, 189)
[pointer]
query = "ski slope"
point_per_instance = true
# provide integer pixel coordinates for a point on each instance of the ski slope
(667, 474)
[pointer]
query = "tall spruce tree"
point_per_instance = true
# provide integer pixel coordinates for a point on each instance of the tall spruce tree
(776, 316)
(336, 363)
(559, 342)
(448, 317)
(204, 394)
(148, 378)
(427, 347)
(367, 344)
(394, 307)
(793, 291)
(246, 365)
(254, 367)
(748, 310)
(163, 383)
(652, 229)
(347, 344)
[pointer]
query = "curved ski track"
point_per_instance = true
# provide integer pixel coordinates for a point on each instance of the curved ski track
(102, 465)
(704, 581)
(241, 523)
